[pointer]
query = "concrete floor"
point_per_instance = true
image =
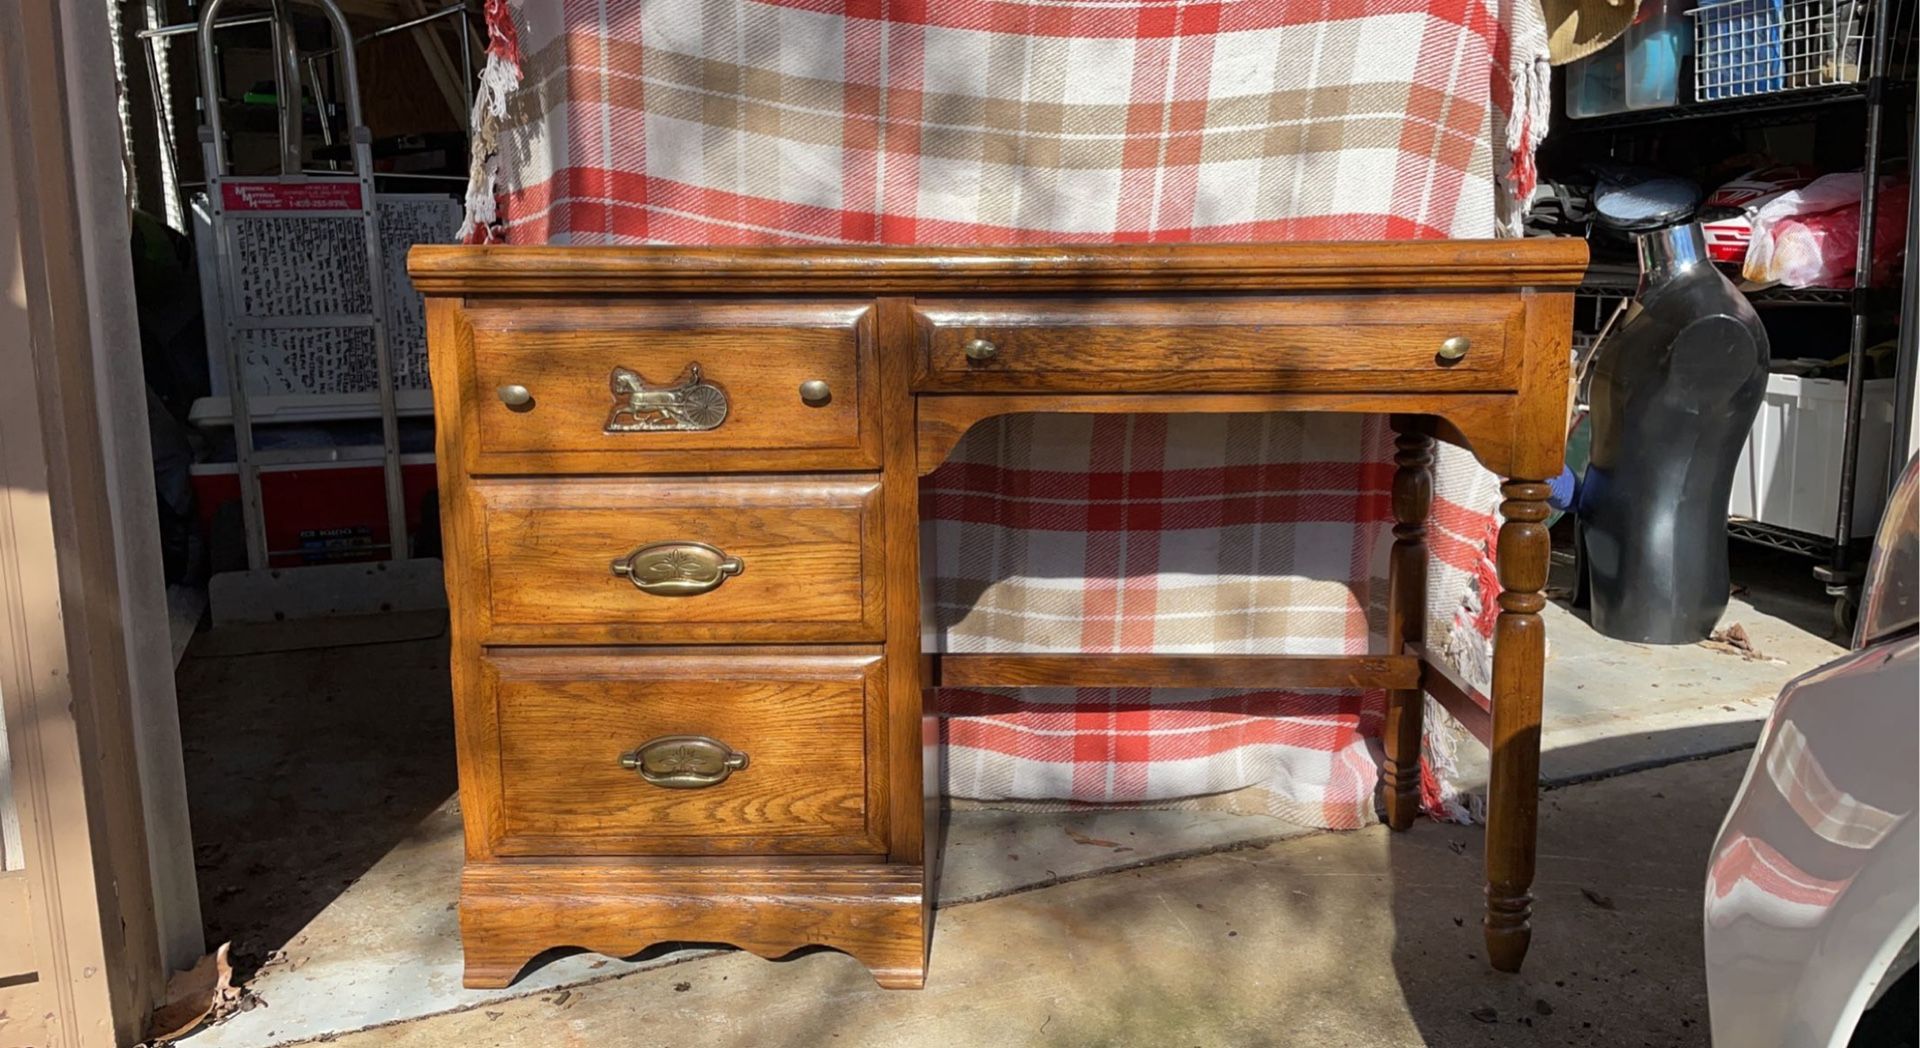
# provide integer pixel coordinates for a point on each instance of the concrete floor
(329, 848)
(1352, 940)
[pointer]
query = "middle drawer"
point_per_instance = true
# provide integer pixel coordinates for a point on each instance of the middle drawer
(663, 561)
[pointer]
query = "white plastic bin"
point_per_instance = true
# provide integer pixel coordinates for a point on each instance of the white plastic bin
(1789, 472)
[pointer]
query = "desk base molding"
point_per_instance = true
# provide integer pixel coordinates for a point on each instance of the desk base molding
(513, 912)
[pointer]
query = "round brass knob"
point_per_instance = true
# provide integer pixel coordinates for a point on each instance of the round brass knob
(1455, 347)
(815, 392)
(980, 349)
(515, 396)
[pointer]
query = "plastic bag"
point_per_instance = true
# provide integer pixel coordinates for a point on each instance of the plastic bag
(1810, 237)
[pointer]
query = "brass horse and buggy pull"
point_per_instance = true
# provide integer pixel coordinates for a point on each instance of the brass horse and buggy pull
(690, 405)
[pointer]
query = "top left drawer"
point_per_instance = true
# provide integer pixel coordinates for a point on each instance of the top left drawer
(681, 386)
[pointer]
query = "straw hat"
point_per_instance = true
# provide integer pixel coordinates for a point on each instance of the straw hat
(1578, 28)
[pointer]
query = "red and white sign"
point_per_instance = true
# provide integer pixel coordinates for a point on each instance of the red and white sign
(290, 196)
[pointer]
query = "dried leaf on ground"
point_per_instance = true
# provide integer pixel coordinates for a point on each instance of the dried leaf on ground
(203, 994)
(1605, 902)
(1733, 640)
(1081, 838)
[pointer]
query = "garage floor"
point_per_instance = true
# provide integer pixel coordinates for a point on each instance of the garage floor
(329, 845)
(1347, 940)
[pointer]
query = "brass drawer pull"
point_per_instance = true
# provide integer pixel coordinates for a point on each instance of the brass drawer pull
(684, 762)
(1455, 348)
(815, 392)
(677, 569)
(690, 405)
(980, 349)
(515, 396)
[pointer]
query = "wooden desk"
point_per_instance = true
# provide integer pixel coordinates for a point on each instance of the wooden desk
(680, 513)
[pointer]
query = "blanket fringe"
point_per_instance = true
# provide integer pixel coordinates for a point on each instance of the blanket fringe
(1526, 128)
(1469, 649)
(497, 81)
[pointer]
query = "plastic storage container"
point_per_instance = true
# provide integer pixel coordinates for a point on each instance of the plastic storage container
(1641, 70)
(1656, 42)
(1789, 473)
(1597, 84)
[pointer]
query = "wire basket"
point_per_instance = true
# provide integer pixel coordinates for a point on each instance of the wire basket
(1758, 47)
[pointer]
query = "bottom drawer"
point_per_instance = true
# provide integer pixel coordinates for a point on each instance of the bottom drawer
(769, 752)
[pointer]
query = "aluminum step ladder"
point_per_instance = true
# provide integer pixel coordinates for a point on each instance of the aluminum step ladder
(263, 593)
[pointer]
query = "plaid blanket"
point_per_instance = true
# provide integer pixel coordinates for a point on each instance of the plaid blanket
(1037, 121)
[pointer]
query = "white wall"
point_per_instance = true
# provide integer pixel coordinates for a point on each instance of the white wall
(93, 107)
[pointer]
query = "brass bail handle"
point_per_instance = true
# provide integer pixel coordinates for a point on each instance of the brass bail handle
(684, 762)
(677, 569)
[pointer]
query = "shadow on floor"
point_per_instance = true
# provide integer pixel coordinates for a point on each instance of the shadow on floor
(1616, 923)
(1357, 940)
(303, 769)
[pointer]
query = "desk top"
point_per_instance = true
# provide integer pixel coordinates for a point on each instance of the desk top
(1546, 263)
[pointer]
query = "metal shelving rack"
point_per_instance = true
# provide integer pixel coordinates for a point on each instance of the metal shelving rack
(1777, 108)
(1892, 22)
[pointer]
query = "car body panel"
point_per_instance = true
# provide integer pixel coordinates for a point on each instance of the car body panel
(1813, 888)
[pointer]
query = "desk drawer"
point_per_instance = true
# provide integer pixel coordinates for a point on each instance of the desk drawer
(682, 386)
(652, 561)
(1331, 343)
(617, 752)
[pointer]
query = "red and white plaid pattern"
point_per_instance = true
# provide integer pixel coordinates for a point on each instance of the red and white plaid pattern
(1753, 877)
(1229, 534)
(1833, 814)
(1052, 121)
(1016, 121)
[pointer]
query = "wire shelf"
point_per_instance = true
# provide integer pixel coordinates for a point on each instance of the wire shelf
(1604, 281)
(1783, 539)
(1759, 110)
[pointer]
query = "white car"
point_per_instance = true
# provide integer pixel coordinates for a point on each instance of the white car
(1813, 889)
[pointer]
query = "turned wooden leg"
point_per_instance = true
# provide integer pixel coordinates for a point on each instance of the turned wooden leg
(1406, 623)
(1519, 660)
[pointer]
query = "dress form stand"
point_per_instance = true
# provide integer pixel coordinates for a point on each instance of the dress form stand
(1674, 392)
